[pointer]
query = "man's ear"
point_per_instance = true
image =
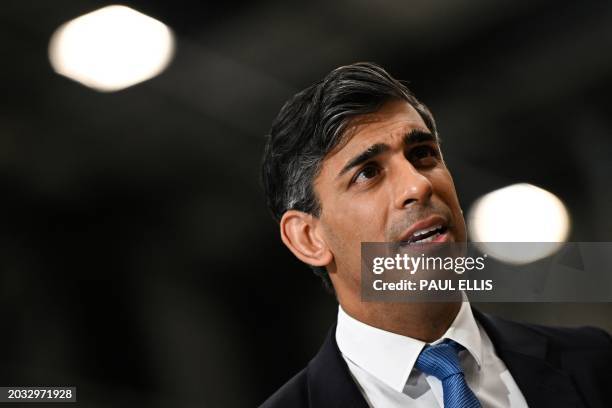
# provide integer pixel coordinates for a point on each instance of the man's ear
(300, 232)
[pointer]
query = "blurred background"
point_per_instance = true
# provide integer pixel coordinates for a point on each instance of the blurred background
(138, 261)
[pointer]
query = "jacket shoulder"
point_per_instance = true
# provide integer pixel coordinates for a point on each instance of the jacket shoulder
(294, 393)
(325, 382)
(509, 332)
(573, 338)
(574, 362)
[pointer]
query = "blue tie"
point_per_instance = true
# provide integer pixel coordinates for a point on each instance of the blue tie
(442, 361)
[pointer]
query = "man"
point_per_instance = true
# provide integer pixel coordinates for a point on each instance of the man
(355, 158)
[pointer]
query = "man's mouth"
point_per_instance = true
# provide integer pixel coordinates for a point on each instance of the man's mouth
(432, 229)
(427, 234)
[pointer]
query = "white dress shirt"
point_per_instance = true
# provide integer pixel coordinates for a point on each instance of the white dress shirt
(382, 365)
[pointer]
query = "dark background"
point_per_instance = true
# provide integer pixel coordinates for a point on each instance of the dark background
(137, 258)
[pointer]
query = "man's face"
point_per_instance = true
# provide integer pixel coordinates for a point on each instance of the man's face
(385, 184)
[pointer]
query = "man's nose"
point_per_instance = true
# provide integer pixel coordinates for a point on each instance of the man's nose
(411, 186)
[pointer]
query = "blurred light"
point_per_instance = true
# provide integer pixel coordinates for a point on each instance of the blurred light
(519, 213)
(111, 48)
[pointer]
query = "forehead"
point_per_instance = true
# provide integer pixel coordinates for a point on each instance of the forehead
(388, 125)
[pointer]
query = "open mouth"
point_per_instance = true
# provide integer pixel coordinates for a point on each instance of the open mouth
(426, 235)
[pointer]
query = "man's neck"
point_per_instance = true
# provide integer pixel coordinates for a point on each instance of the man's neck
(423, 321)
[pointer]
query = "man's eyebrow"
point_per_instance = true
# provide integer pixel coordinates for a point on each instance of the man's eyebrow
(364, 156)
(412, 137)
(419, 136)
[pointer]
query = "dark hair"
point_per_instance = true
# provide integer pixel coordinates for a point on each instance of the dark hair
(312, 123)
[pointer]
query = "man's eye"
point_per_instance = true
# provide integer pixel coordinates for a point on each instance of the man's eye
(424, 155)
(368, 172)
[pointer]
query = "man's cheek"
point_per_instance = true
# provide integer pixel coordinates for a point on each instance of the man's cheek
(443, 185)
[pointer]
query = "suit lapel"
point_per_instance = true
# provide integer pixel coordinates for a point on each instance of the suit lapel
(330, 383)
(527, 355)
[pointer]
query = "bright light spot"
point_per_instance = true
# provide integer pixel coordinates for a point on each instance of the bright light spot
(519, 213)
(111, 48)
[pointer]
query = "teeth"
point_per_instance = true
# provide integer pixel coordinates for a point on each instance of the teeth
(425, 231)
(428, 239)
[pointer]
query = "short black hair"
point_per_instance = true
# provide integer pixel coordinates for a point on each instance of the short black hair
(312, 123)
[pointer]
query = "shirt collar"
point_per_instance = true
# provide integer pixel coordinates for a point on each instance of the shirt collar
(391, 357)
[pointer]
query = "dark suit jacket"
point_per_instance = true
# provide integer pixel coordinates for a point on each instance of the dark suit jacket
(553, 367)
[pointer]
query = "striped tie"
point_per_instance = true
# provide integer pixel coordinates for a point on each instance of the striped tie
(442, 361)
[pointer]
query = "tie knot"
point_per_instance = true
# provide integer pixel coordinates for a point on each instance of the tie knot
(441, 360)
